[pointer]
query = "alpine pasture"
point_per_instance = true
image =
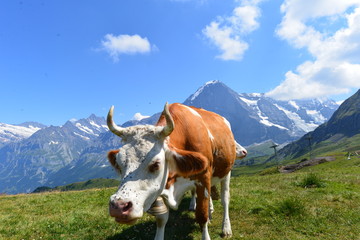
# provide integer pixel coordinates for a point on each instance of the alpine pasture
(269, 205)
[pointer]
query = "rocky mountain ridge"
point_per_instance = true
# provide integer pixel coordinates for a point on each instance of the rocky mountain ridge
(30, 161)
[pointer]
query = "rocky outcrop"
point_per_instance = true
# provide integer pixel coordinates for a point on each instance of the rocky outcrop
(305, 163)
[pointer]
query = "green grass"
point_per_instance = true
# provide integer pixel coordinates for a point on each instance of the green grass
(311, 181)
(250, 169)
(262, 207)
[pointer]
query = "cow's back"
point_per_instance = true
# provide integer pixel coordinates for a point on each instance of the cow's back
(203, 131)
(223, 142)
(190, 132)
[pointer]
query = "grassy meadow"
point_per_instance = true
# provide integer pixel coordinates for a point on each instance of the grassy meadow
(321, 202)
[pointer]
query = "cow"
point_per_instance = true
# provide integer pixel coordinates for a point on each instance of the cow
(188, 148)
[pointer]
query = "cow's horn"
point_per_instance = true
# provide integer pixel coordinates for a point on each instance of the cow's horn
(167, 130)
(112, 126)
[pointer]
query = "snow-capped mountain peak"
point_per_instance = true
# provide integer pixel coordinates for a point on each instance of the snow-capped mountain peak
(201, 89)
(87, 128)
(13, 133)
(257, 118)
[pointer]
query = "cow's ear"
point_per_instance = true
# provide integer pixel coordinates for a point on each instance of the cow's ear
(187, 163)
(112, 159)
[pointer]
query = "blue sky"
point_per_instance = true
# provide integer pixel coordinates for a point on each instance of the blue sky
(68, 59)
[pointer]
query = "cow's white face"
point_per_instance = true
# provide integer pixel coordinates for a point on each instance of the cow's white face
(143, 169)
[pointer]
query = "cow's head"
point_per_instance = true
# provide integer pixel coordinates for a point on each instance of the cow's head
(142, 166)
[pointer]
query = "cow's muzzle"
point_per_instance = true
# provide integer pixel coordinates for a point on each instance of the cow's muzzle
(121, 211)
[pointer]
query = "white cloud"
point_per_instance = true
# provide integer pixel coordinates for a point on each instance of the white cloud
(335, 67)
(139, 116)
(232, 47)
(125, 44)
(244, 18)
(227, 33)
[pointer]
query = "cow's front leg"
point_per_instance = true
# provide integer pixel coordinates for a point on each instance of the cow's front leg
(161, 212)
(202, 209)
(225, 199)
(161, 221)
(211, 208)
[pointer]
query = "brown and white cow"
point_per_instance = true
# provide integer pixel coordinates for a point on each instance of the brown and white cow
(189, 148)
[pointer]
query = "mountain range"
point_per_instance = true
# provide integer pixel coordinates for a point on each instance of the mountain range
(256, 118)
(32, 160)
(14, 133)
(76, 151)
(342, 132)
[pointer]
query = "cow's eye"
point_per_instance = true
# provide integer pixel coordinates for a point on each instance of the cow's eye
(154, 167)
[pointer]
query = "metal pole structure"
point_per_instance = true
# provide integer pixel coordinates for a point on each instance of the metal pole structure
(275, 152)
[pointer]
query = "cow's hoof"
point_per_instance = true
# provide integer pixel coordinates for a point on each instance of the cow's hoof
(226, 234)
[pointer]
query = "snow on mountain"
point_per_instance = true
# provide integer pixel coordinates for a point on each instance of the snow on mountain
(342, 127)
(76, 151)
(200, 90)
(256, 118)
(28, 163)
(91, 126)
(304, 115)
(253, 104)
(14, 133)
(296, 119)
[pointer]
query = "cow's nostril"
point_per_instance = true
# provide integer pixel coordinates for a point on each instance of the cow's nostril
(244, 152)
(121, 206)
(127, 206)
(113, 205)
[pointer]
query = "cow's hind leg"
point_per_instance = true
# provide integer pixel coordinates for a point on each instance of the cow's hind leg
(225, 199)
(202, 209)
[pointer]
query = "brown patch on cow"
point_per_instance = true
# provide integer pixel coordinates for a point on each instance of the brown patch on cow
(223, 144)
(112, 159)
(171, 179)
(189, 163)
(189, 142)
